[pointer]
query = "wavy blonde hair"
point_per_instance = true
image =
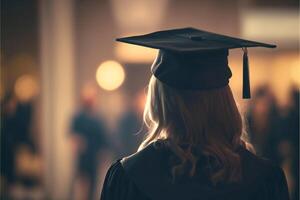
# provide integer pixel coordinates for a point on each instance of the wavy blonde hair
(208, 120)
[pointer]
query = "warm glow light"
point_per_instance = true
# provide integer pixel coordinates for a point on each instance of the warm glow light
(295, 72)
(26, 87)
(138, 15)
(110, 75)
(134, 54)
(254, 23)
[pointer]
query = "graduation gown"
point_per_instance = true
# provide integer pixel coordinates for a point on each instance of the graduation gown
(145, 175)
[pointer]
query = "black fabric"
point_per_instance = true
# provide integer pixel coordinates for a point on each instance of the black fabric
(145, 176)
(193, 59)
(246, 80)
(118, 185)
(192, 71)
(190, 40)
(91, 130)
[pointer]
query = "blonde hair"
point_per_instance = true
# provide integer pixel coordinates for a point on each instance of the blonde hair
(208, 120)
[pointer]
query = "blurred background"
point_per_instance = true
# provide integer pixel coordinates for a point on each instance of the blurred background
(72, 98)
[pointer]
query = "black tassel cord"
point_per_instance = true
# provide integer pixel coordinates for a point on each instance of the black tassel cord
(246, 80)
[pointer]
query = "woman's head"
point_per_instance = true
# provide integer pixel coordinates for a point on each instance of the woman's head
(208, 119)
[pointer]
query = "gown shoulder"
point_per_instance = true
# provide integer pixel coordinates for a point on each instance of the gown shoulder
(145, 176)
(118, 185)
(268, 177)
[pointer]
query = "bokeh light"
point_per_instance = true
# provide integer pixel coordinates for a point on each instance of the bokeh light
(134, 54)
(295, 72)
(110, 75)
(26, 88)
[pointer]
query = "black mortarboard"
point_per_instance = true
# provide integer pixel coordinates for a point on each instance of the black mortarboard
(193, 59)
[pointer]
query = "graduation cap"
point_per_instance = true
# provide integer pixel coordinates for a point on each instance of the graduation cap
(194, 59)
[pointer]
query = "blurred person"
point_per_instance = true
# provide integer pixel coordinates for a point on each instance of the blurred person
(289, 144)
(275, 132)
(264, 123)
(195, 148)
(130, 125)
(20, 162)
(88, 138)
(8, 132)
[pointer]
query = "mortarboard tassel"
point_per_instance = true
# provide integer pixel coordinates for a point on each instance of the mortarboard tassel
(246, 81)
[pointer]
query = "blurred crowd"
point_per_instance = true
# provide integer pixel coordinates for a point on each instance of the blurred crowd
(20, 158)
(273, 131)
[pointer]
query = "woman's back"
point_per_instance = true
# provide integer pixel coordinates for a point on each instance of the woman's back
(146, 175)
(193, 148)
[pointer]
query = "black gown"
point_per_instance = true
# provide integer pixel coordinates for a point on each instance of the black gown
(145, 176)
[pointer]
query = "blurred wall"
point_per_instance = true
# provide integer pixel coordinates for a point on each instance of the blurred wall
(57, 94)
